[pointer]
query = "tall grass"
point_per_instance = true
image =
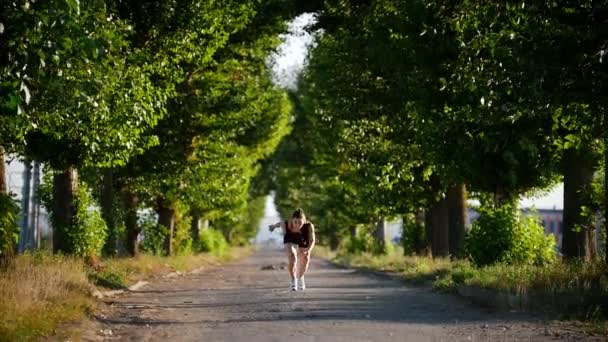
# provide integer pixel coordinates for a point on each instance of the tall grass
(38, 292)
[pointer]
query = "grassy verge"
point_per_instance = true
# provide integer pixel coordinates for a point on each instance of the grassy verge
(39, 292)
(412, 268)
(43, 291)
(580, 289)
(119, 273)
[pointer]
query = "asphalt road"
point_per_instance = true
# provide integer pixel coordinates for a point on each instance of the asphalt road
(249, 300)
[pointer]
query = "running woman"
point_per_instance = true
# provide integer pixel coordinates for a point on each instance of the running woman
(299, 239)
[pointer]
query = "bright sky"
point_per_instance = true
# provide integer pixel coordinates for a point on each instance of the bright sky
(552, 199)
(289, 59)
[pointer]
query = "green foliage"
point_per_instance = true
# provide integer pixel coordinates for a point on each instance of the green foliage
(531, 245)
(85, 103)
(361, 243)
(225, 117)
(244, 230)
(182, 237)
(411, 234)
(87, 234)
(500, 235)
(118, 231)
(154, 235)
(213, 241)
(107, 279)
(9, 229)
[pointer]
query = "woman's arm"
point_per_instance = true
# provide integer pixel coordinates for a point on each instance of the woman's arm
(277, 225)
(312, 238)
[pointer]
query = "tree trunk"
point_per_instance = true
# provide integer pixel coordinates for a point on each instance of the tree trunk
(428, 233)
(65, 186)
(107, 201)
(606, 195)
(195, 230)
(166, 219)
(26, 191)
(438, 235)
(3, 184)
(578, 175)
(334, 239)
(353, 231)
(419, 242)
(457, 215)
(380, 236)
(131, 226)
(36, 201)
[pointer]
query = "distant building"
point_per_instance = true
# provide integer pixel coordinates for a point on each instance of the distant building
(552, 220)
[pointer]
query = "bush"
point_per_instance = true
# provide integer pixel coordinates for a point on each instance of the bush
(182, 237)
(9, 230)
(213, 241)
(108, 280)
(531, 245)
(361, 243)
(154, 236)
(500, 235)
(412, 234)
(88, 234)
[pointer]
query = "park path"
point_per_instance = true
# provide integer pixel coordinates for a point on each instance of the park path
(249, 300)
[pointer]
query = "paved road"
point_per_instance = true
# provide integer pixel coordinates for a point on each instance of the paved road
(242, 302)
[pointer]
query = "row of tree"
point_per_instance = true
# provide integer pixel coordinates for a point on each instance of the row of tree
(155, 104)
(406, 106)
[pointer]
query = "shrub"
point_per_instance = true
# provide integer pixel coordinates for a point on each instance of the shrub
(88, 234)
(362, 242)
(154, 235)
(500, 235)
(9, 230)
(213, 241)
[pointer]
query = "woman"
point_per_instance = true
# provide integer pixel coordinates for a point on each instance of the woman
(299, 240)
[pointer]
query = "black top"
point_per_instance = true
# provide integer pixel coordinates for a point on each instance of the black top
(302, 238)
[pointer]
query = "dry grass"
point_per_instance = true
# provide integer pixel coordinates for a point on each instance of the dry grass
(122, 272)
(413, 268)
(39, 292)
(43, 291)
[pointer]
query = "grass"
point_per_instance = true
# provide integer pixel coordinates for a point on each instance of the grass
(119, 273)
(413, 268)
(42, 291)
(39, 292)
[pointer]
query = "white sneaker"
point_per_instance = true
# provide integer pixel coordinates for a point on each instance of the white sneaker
(301, 284)
(294, 285)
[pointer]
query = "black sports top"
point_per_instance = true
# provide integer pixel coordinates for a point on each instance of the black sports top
(303, 238)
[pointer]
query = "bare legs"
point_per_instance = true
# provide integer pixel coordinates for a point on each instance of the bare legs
(298, 262)
(303, 261)
(291, 250)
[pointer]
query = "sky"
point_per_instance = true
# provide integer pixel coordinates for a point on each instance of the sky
(288, 61)
(554, 199)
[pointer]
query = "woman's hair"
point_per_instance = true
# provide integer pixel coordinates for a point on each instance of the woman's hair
(299, 213)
